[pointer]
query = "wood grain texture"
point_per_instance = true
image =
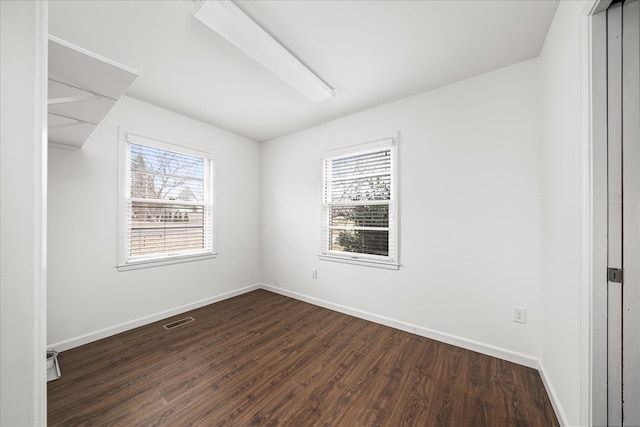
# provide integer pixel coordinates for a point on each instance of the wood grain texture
(264, 359)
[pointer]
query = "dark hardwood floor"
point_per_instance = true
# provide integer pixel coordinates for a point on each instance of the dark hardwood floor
(264, 359)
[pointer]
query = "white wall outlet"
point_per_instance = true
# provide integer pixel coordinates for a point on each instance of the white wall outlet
(314, 273)
(519, 314)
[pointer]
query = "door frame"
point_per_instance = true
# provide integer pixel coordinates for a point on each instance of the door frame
(593, 364)
(23, 305)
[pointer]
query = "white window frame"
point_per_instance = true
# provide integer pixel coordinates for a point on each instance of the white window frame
(391, 261)
(128, 136)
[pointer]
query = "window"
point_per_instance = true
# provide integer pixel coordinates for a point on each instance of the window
(167, 203)
(360, 204)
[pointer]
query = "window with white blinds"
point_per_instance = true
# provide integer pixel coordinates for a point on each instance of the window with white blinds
(360, 203)
(168, 201)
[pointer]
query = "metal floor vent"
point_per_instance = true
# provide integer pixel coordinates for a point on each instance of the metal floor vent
(178, 323)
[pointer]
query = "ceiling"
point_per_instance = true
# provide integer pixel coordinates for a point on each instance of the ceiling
(369, 51)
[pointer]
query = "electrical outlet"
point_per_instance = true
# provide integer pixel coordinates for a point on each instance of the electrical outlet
(314, 273)
(519, 315)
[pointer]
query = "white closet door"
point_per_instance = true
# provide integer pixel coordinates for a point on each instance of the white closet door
(623, 140)
(631, 212)
(614, 164)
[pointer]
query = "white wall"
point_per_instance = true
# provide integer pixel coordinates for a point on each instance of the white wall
(86, 292)
(23, 31)
(469, 214)
(561, 183)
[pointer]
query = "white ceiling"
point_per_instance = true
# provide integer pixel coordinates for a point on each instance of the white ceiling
(370, 51)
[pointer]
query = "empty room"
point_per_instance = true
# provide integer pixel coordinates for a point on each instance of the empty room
(331, 213)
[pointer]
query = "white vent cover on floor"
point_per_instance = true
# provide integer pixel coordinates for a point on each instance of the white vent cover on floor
(178, 323)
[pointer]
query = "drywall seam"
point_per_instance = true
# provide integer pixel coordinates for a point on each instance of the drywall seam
(501, 353)
(122, 327)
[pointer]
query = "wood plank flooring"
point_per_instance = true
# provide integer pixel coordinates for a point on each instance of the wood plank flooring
(264, 359)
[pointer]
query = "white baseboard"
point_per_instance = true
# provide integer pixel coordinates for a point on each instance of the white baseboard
(490, 350)
(511, 356)
(501, 353)
(553, 396)
(113, 330)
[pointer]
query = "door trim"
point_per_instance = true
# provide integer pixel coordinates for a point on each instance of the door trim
(593, 362)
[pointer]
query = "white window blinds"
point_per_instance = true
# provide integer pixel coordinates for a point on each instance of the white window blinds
(169, 201)
(359, 202)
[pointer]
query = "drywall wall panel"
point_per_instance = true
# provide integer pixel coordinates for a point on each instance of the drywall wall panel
(561, 189)
(469, 212)
(86, 292)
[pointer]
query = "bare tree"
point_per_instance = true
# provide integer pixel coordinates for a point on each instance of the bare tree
(162, 176)
(366, 215)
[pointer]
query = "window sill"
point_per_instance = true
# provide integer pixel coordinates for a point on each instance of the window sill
(136, 265)
(360, 261)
